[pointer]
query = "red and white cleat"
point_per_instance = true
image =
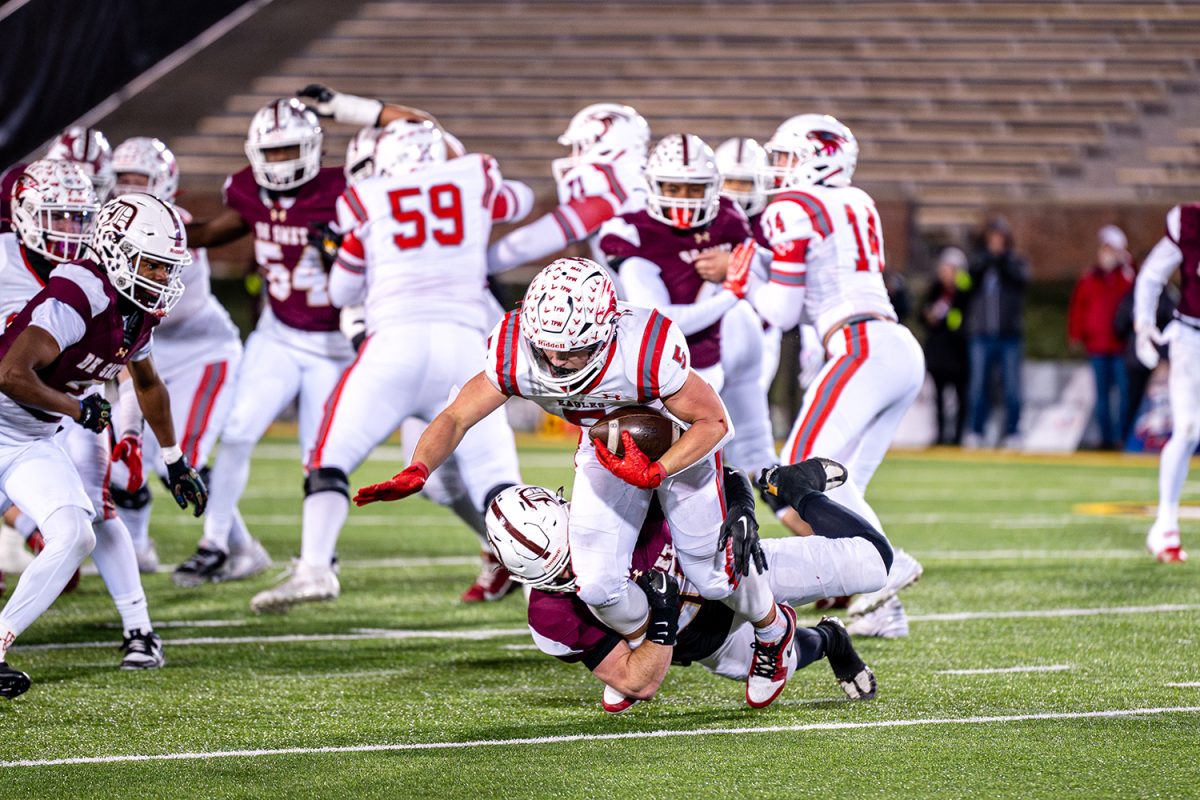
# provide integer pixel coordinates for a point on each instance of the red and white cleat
(770, 664)
(1164, 545)
(492, 583)
(614, 702)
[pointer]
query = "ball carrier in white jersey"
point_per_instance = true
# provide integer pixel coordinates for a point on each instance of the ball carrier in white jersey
(827, 243)
(417, 258)
(1179, 249)
(577, 353)
(196, 349)
(54, 213)
(91, 319)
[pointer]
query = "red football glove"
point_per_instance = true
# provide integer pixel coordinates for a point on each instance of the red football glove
(410, 481)
(635, 468)
(129, 452)
(738, 274)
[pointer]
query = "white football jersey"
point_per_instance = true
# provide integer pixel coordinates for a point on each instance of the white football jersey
(827, 244)
(648, 361)
(420, 241)
(18, 282)
(590, 193)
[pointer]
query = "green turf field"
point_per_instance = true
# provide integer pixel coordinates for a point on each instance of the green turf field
(1016, 577)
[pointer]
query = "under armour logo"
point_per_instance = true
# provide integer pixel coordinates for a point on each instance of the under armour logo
(122, 352)
(703, 236)
(278, 214)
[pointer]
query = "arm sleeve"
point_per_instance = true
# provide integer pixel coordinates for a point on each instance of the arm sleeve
(129, 415)
(348, 278)
(60, 321)
(1162, 261)
(781, 304)
(643, 285)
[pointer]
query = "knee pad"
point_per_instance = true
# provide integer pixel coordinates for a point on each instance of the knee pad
(327, 479)
(492, 492)
(601, 594)
(130, 500)
(73, 525)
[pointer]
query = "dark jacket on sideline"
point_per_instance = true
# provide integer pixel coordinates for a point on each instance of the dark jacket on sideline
(997, 303)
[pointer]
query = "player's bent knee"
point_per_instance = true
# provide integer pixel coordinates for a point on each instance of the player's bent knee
(70, 527)
(130, 500)
(717, 587)
(327, 479)
(602, 593)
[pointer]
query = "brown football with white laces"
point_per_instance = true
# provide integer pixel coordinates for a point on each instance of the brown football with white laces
(652, 431)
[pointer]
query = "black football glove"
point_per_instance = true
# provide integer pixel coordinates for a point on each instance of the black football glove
(739, 531)
(326, 240)
(187, 486)
(94, 413)
(662, 594)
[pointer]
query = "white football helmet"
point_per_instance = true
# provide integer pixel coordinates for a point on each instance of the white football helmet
(360, 155)
(143, 155)
(278, 125)
(603, 133)
(89, 148)
(683, 158)
(454, 146)
(570, 306)
(527, 528)
(741, 159)
(808, 150)
(136, 230)
(406, 146)
(54, 209)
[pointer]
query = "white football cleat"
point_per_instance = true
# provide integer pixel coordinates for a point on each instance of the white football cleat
(905, 571)
(142, 651)
(1164, 544)
(886, 622)
(772, 663)
(614, 702)
(302, 584)
(245, 563)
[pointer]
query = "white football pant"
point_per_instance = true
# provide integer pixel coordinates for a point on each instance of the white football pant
(752, 448)
(1184, 387)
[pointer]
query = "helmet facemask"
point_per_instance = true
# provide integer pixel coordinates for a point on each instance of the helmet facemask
(284, 145)
(140, 241)
(809, 150)
(54, 209)
(685, 186)
(527, 527)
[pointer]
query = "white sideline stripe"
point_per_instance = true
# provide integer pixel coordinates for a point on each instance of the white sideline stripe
(999, 670)
(359, 634)
(1185, 685)
(198, 623)
(1032, 555)
(605, 737)
(468, 634)
(958, 616)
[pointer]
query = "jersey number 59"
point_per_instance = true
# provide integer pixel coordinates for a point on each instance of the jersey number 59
(446, 208)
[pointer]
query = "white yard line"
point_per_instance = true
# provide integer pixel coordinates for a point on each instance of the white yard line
(1185, 685)
(604, 737)
(1041, 613)
(1030, 555)
(1000, 670)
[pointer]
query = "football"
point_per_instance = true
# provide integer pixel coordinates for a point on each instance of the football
(652, 431)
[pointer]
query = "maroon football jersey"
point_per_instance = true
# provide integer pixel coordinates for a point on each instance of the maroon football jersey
(756, 228)
(1189, 270)
(295, 279)
(7, 180)
(108, 343)
(674, 251)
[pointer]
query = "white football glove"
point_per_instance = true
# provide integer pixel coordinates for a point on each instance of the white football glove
(349, 108)
(1148, 338)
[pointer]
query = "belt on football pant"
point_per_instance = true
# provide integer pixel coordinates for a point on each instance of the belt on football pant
(848, 321)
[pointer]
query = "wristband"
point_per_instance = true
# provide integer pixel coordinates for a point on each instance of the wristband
(355, 110)
(172, 454)
(420, 468)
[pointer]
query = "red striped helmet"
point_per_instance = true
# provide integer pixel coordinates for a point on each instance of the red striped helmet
(527, 528)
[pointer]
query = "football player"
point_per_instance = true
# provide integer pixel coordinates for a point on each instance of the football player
(528, 527)
(600, 179)
(197, 350)
(87, 147)
(297, 349)
(1179, 249)
(54, 212)
(828, 260)
(91, 319)
(579, 354)
(417, 258)
(686, 232)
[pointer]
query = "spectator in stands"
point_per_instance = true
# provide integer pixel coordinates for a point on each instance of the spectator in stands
(946, 340)
(1091, 327)
(996, 327)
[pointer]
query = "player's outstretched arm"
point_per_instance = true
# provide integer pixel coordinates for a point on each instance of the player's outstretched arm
(699, 406)
(354, 110)
(186, 484)
(637, 674)
(34, 348)
(476, 400)
(224, 228)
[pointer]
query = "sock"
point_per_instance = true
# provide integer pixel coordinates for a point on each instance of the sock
(1172, 472)
(7, 635)
(137, 522)
(69, 539)
(117, 564)
(465, 510)
(239, 534)
(773, 631)
(810, 646)
(229, 476)
(752, 599)
(324, 515)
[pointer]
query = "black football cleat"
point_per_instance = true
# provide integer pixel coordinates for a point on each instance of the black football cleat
(142, 651)
(13, 682)
(791, 482)
(202, 567)
(853, 675)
